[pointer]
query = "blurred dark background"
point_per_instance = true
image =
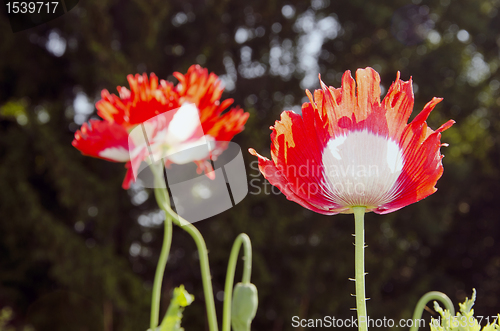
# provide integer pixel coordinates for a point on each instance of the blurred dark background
(77, 252)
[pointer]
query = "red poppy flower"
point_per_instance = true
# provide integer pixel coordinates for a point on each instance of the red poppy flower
(349, 149)
(175, 118)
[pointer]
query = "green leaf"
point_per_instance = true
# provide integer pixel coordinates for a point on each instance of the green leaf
(464, 321)
(173, 317)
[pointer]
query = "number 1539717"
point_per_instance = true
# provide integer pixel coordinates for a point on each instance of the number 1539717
(39, 7)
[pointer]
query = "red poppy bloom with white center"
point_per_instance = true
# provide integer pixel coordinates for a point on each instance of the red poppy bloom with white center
(348, 149)
(191, 113)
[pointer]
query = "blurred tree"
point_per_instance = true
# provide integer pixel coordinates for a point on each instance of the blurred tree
(78, 252)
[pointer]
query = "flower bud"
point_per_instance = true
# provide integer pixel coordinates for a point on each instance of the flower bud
(244, 306)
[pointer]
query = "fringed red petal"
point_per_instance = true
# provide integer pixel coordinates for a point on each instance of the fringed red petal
(145, 99)
(204, 89)
(278, 179)
(97, 136)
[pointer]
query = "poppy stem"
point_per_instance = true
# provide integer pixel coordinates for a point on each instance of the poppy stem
(204, 266)
(162, 199)
(231, 267)
(359, 266)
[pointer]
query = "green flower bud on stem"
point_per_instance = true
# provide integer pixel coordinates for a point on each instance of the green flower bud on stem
(244, 306)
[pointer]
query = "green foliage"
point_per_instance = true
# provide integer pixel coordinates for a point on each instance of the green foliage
(464, 320)
(15, 109)
(6, 316)
(172, 320)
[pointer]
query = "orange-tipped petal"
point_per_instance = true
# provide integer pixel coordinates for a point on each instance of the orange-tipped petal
(145, 99)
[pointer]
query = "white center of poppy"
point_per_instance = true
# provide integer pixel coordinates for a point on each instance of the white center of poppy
(361, 169)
